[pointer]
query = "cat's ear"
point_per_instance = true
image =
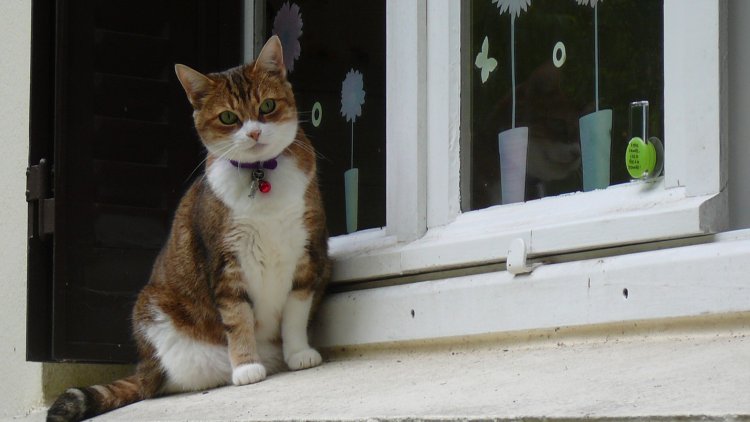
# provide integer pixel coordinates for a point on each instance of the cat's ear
(271, 57)
(195, 84)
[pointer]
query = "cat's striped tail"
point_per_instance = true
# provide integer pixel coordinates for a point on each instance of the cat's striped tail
(76, 404)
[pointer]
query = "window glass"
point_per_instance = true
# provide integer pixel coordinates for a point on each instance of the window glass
(547, 90)
(335, 57)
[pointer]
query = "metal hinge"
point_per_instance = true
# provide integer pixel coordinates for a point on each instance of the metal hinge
(41, 204)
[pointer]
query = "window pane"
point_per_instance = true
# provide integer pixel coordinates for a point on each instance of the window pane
(330, 47)
(575, 69)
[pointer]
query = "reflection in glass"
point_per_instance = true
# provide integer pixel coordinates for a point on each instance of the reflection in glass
(577, 66)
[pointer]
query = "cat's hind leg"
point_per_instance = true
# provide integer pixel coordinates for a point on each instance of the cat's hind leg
(188, 364)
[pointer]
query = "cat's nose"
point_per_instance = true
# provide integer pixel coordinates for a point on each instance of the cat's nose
(254, 134)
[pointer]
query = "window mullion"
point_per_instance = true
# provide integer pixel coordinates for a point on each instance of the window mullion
(695, 50)
(443, 111)
(406, 126)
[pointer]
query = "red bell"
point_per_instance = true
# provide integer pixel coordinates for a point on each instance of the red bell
(264, 186)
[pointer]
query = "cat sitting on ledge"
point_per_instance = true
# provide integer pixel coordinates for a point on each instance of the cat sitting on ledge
(231, 293)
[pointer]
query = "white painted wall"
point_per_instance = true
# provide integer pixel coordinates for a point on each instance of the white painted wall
(739, 111)
(21, 385)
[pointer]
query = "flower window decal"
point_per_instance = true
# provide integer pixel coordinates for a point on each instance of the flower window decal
(287, 24)
(352, 98)
(595, 128)
(513, 142)
(593, 4)
(514, 7)
(352, 95)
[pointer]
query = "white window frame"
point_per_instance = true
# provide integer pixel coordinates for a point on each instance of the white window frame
(425, 229)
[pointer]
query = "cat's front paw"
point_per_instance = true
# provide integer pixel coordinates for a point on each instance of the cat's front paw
(248, 373)
(304, 359)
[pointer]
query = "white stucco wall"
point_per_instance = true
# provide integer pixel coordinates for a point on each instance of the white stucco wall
(21, 386)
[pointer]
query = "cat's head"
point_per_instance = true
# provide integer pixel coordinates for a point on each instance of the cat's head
(247, 113)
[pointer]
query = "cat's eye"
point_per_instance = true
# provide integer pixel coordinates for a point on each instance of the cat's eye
(267, 106)
(228, 118)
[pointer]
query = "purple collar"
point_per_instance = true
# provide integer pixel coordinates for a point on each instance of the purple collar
(268, 165)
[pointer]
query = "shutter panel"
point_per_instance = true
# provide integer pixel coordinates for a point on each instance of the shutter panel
(124, 152)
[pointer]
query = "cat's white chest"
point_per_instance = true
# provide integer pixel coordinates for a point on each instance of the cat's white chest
(268, 234)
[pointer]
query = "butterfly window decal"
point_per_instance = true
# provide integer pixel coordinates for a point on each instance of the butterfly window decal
(484, 62)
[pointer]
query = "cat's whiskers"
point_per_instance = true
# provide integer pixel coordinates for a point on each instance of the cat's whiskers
(309, 148)
(231, 148)
(195, 169)
(304, 146)
(199, 165)
(224, 149)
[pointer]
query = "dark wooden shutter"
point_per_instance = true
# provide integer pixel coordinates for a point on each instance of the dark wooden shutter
(115, 130)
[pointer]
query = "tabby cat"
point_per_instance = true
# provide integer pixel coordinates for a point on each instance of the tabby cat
(231, 293)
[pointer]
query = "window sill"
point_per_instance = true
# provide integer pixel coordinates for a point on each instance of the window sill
(622, 214)
(699, 279)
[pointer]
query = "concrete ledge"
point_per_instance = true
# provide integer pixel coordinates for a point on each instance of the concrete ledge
(653, 374)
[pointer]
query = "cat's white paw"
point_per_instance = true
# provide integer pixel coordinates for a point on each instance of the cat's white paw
(248, 373)
(304, 359)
